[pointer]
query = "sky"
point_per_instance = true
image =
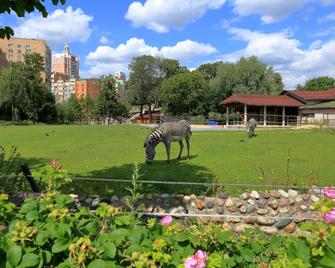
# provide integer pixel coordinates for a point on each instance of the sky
(296, 37)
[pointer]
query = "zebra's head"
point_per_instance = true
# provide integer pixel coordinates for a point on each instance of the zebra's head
(149, 151)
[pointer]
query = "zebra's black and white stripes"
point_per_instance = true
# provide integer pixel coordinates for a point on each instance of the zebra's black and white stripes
(167, 133)
(251, 125)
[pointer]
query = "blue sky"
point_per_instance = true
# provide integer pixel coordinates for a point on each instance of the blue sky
(296, 37)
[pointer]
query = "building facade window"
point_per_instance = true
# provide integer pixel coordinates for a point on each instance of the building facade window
(19, 46)
(10, 45)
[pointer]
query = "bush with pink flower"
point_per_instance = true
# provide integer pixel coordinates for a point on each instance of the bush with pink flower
(327, 205)
(198, 260)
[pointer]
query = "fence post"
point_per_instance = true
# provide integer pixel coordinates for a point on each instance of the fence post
(30, 178)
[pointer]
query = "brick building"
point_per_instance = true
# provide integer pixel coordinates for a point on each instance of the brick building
(87, 87)
(14, 50)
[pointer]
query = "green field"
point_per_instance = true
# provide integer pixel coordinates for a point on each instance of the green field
(299, 157)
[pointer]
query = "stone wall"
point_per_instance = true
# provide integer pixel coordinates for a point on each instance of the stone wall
(273, 211)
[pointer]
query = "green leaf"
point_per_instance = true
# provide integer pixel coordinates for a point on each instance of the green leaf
(298, 250)
(92, 228)
(181, 237)
(329, 259)
(331, 242)
(60, 245)
(41, 238)
(97, 264)
(14, 255)
(109, 250)
(32, 215)
(248, 254)
(30, 260)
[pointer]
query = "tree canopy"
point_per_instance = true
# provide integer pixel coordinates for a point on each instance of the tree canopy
(185, 93)
(21, 7)
(318, 83)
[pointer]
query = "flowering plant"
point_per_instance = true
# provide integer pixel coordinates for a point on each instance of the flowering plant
(327, 205)
(198, 260)
(53, 176)
(166, 220)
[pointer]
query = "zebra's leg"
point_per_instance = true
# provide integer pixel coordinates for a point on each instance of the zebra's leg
(181, 148)
(187, 138)
(168, 147)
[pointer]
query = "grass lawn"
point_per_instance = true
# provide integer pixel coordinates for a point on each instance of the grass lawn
(274, 156)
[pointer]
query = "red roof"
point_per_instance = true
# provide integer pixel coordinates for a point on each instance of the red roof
(263, 100)
(326, 95)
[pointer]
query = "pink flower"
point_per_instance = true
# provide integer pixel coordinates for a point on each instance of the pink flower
(166, 220)
(198, 260)
(329, 192)
(330, 216)
(53, 163)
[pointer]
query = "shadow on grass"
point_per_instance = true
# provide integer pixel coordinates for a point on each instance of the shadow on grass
(176, 171)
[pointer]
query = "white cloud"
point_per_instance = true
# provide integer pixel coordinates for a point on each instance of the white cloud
(104, 40)
(161, 15)
(60, 27)
(285, 54)
(106, 59)
(328, 17)
(271, 10)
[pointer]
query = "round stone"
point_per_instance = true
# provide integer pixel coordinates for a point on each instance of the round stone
(283, 210)
(148, 196)
(201, 197)
(244, 196)
(273, 212)
(226, 226)
(114, 198)
(233, 219)
(305, 197)
(186, 199)
(254, 194)
(265, 221)
(283, 202)
(243, 209)
(219, 202)
(223, 195)
(88, 201)
(165, 196)
(298, 200)
(209, 204)
(275, 194)
(292, 193)
(251, 202)
(250, 209)
(249, 220)
(270, 230)
(304, 208)
(283, 193)
(232, 209)
(262, 211)
(261, 203)
(273, 204)
(290, 228)
(282, 223)
(230, 202)
(178, 210)
(299, 217)
(239, 204)
(200, 204)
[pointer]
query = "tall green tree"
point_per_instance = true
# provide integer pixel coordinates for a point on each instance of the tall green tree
(144, 79)
(86, 107)
(106, 104)
(185, 93)
(21, 7)
(23, 92)
(318, 83)
(12, 89)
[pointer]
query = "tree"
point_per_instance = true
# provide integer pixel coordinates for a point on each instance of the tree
(209, 70)
(23, 92)
(144, 79)
(86, 107)
(185, 93)
(21, 7)
(106, 104)
(318, 84)
(248, 75)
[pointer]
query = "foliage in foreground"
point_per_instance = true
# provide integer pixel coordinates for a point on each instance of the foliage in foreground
(45, 232)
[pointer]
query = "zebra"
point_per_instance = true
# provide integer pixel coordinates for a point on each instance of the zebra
(251, 125)
(167, 133)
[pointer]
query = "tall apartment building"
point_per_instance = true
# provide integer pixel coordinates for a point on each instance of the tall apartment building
(120, 80)
(62, 86)
(87, 87)
(14, 50)
(66, 63)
